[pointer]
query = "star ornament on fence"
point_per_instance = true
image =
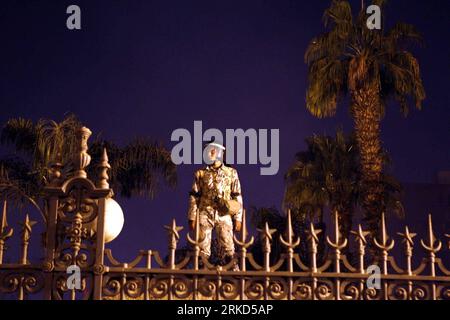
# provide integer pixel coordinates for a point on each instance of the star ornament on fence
(27, 225)
(173, 229)
(407, 237)
(360, 235)
(267, 232)
(312, 233)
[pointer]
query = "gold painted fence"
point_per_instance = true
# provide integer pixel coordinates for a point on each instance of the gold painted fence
(74, 236)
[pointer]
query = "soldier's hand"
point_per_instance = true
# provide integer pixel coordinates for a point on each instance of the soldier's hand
(191, 225)
(237, 226)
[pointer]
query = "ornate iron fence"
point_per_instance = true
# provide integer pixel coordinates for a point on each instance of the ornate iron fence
(74, 235)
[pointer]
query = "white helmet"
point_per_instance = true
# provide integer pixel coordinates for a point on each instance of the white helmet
(213, 152)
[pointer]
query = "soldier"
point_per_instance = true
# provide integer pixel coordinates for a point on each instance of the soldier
(216, 198)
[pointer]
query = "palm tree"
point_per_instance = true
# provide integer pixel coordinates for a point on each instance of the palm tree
(24, 174)
(372, 66)
(327, 175)
(136, 169)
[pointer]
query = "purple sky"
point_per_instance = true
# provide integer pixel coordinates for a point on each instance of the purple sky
(146, 68)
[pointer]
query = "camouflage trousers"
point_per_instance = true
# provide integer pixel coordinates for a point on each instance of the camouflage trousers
(224, 232)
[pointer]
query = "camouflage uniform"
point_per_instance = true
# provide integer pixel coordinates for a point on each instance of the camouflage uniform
(210, 183)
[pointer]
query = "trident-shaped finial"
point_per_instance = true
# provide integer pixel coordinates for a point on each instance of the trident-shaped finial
(5, 231)
(198, 238)
(27, 226)
(243, 241)
(289, 243)
(384, 245)
(431, 239)
(337, 244)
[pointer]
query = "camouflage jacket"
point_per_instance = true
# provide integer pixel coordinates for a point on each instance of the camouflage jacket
(210, 183)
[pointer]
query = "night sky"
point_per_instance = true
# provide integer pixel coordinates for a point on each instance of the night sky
(145, 68)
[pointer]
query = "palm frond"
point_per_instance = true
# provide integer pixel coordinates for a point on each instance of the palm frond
(15, 192)
(21, 133)
(137, 168)
(348, 56)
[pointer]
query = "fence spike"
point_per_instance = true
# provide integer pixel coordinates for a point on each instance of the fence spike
(5, 231)
(27, 226)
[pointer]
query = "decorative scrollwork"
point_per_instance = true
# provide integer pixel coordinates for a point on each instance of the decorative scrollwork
(254, 289)
(318, 270)
(408, 291)
(111, 287)
(182, 287)
(372, 294)
(61, 288)
(278, 288)
(350, 290)
(133, 287)
(444, 291)
(83, 258)
(324, 290)
(98, 269)
(420, 293)
(302, 290)
(78, 202)
(124, 288)
(398, 291)
(207, 287)
(10, 283)
(48, 266)
(22, 283)
(159, 287)
(229, 289)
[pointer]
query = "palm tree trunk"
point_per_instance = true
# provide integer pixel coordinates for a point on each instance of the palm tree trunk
(367, 114)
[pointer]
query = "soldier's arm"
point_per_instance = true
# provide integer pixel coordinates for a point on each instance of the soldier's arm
(194, 197)
(237, 195)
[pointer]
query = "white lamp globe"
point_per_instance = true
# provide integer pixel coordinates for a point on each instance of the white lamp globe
(114, 219)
